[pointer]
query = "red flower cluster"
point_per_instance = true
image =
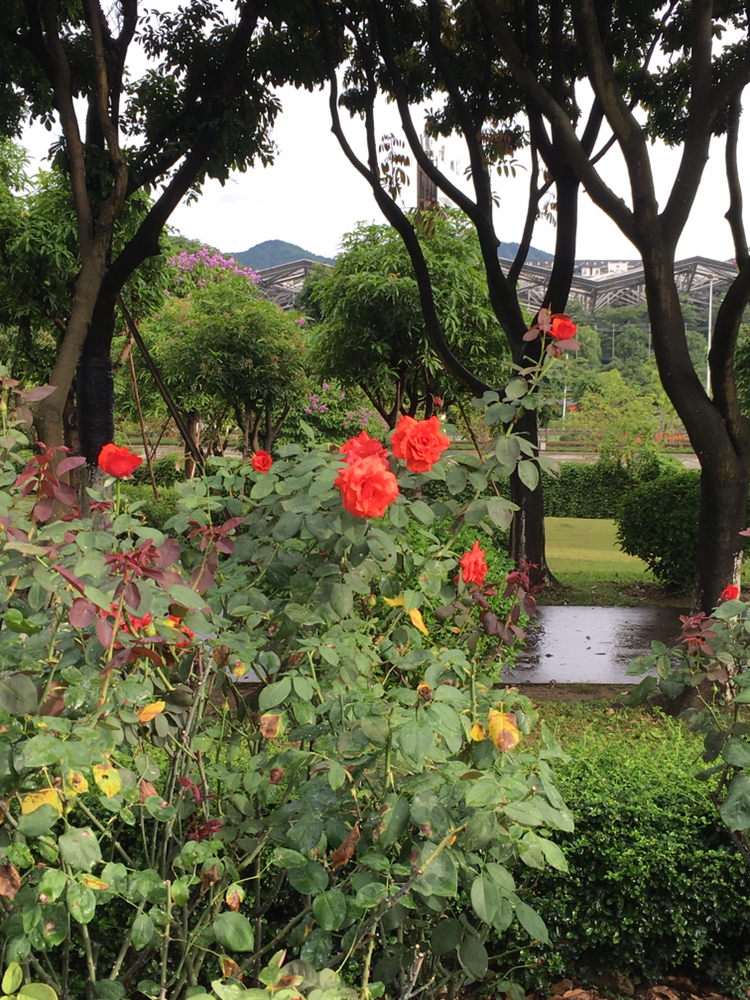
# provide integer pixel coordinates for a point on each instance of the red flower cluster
(118, 462)
(261, 461)
(730, 593)
(419, 442)
(562, 327)
(362, 446)
(473, 565)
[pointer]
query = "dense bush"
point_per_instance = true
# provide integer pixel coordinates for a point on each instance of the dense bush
(649, 862)
(658, 522)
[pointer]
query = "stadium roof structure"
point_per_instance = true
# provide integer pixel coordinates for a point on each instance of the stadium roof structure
(697, 277)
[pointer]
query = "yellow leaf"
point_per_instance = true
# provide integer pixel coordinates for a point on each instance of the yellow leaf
(107, 779)
(477, 732)
(503, 730)
(417, 621)
(394, 602)
(148, 712)
(269, 726)
(94, 883)
(424, 691)
(75, 784)
(47, 797)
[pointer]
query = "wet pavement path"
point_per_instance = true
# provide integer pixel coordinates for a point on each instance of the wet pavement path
(590, 644)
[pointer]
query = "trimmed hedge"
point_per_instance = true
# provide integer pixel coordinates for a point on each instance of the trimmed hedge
(655, 884)
(658, 522)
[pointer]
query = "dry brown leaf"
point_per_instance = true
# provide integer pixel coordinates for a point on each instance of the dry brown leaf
(229, 968)
(562, 987)
(146, 790)
(269, 726)
(343, 854)
(10, 881)
(578, 995)
(209, 877)
(233, 900)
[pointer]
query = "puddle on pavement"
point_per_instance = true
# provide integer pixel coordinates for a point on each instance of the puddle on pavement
(590, 644)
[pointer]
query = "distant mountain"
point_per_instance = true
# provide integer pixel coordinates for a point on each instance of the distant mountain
(508, 251)
(270, 253)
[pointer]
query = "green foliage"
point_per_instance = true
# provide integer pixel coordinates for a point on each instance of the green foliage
(371, 330)
(246, 736)
(647, 863)
(658, 522)
(154, 511)
(616, 418)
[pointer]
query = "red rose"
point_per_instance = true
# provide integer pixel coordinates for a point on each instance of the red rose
(362, 446)
(261, 461)
(367, 487)
(419, 442)
(730, 593)
(473, 566)
(562, 327)
(118, 462)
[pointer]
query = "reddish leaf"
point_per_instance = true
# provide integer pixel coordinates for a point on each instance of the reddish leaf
(105, 633)
(43, 509)
(344, 853)
(71, 462)
(146, 790)
(209, 877)
(167, 554)
(132, 596)
(72, 579)
(82, 613)
(39, 392)
(64, 493)
(10, 881)
(24, 417)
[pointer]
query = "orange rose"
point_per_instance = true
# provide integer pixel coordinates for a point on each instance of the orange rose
(562, 327)
(367, 487)
(261, 461)
(419, 442)
(473, 566)
(362, 446)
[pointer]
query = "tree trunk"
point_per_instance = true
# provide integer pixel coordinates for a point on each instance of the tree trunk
(527, 528)
(723, 514)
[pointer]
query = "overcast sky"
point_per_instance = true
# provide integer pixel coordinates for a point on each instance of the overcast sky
(312, 195)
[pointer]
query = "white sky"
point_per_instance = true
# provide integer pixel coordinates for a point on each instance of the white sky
(312, 195)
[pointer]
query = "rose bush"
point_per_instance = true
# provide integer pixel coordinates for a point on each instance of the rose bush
(222, 739)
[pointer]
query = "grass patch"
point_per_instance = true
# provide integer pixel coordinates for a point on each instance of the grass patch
(584, 556)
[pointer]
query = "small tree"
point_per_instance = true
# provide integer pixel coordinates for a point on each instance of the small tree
(372, 329)
(227, 356)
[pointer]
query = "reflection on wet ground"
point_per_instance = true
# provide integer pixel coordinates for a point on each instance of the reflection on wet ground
(590, 644)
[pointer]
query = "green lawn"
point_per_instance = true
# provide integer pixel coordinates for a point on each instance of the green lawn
(584, 555)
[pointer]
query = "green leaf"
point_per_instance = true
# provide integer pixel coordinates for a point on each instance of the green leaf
(507, 451)
(422, 512)
(81, 902)
(186, 596)
(736, 809)
(473, 956)
(500, 511)
(80, 848)
(330, 909)
(440, 877)
(310, 879)
(516, 388)
(37, 991)
(142, 931)
(274, 694)
(18, 694)
(38, 822)
(485, 899)
(736, 752)
(287, 526)
(234, 931)
(532, 923)
(445, 936)
(528, 473)
(12, 978)
(553, 855)
(371, 894)
(98, 597)
(108, 989)
(394, 817)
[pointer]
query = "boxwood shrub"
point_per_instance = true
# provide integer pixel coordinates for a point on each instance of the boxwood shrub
(655, 885)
